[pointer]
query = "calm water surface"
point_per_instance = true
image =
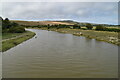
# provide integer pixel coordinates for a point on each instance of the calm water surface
(57, 55)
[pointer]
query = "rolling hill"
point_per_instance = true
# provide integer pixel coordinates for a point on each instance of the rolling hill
(64, 22)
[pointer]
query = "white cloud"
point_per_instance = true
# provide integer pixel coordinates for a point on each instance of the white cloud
(60, 10)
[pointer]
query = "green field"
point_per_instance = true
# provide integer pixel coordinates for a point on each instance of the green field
(12, 39)
(11, 35)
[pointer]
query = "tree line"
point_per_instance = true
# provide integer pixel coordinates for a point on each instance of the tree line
(78, 26)
(11, 27)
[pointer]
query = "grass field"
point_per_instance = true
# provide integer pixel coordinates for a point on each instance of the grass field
(35, 23)
(11, 35)
(11, 41)
(106, 27)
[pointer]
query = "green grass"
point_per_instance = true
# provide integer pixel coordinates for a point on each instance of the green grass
(13, 42)
(105, 26)
(11, 35)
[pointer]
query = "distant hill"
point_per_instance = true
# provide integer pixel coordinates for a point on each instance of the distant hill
(64, 22)
(33, 23)
(84, 23)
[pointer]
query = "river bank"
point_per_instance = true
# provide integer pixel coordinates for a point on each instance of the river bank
(110, 37)
(12, 41)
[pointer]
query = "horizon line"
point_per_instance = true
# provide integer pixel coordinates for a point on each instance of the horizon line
(64, 20)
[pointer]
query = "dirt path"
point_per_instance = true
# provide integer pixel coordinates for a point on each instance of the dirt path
(13, 38)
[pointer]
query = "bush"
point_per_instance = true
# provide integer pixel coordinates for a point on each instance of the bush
(112, 29)
(5, 30)
(14, 24)
(48, 27)
(6, 24)
(11, 27)
(89, 26)
(100, 27)
(76, 26)
(16, 30)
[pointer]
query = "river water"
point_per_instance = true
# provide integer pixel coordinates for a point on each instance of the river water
(58, 55)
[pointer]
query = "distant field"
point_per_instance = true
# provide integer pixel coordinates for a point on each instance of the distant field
(33, 23)
(107, 27)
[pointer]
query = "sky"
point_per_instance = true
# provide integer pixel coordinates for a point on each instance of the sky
(94, 12)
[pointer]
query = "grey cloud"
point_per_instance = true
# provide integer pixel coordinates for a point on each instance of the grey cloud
(61, 10)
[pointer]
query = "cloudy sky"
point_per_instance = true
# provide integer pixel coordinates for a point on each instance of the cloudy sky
(95, 12)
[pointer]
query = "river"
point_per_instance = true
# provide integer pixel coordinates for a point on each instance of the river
(56, 55)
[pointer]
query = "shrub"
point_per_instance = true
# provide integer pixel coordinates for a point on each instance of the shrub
(100, 27)
(48, 27)
(112, 29)
(6, 24)
(17, 29)
(89, 26)
(14, 24)
(76, 26)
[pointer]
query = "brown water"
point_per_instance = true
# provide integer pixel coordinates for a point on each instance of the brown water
(57, 55)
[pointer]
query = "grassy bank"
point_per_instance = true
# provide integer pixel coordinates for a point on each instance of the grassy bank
(11, 35)
(110, 37)
(11, 40)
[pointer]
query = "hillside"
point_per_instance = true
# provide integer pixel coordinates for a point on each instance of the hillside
(84, 23)
(64, 22)
(33, 23)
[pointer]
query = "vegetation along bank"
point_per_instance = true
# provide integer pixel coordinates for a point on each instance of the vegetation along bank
(13, 34)
(98, 32)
